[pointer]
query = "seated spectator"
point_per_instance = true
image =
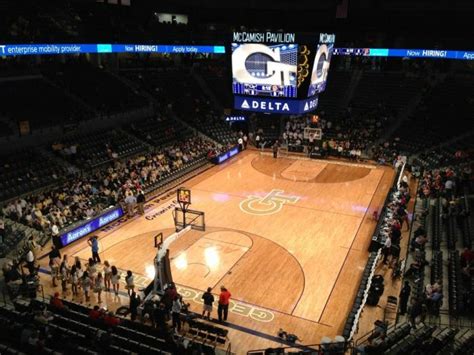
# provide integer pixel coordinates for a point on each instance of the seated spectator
(418, 242)
(56, 301)
(375, 345)
(467, 272)
(419, 231)
(111, 320)
(434, 301)
(82, 197)
(43, 316)
(396, 236)
(415, 268)
(159, 316)
(380, 328)
(95, 313)
(467, 257)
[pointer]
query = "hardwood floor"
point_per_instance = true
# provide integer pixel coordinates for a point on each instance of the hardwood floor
(288, 237)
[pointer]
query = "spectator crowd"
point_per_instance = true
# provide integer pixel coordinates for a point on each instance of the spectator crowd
(84, 195)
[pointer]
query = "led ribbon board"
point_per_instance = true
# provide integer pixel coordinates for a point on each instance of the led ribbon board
(79, 48)
(90, 226)
(405, 53)
(51, 49)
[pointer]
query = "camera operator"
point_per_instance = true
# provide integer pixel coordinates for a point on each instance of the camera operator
(30, 262)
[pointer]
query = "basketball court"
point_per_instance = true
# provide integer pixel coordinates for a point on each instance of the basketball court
(288, 237)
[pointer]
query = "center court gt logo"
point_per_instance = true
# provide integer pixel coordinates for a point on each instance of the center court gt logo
(267, 205)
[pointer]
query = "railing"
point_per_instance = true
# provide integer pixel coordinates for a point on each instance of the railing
(366, 336)
(400, 174)
(345, 347)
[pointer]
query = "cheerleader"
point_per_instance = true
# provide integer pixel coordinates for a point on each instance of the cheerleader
(86, 285)
(115, 278)
(107, 275)
(92, 270)
(77, 263)
(74, 280)
(130, 284)
(54, 271)
(64, 274)
(98, 286)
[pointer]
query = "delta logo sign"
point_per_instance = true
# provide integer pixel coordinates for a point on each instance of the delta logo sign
(271, 105)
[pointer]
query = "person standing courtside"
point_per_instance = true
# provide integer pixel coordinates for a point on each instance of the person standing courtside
(387, 250)
(404, 296)
(275, 150)
(208, 299)
(141, 202)
(257, 140)
(134, 303)
(223, 308)
(245, 138)
(30, 262)
(94, 244)
(176, 313)
(130, 201)
(240, 141)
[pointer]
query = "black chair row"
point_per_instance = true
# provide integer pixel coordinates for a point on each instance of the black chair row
(122, 336)
(92, 152)
(160, 132)
(419, 277)
(411, 342)
(207, 332)
(12, 239)
(435, 226)
(468, 225)
(13, 322)
(133, 337)
(451, 232)
(436, 341)
(26, 171)
(437, 266)
(176, 174)
(222, 134)
(455, 284)
(398, 333)
(442, 341)
(6, 349)
(464, 344)
(137, 327)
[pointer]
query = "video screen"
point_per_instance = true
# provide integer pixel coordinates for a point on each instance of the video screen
(264, 70)
(320, 71)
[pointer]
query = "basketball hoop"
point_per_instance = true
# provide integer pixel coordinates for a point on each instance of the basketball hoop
(183, 196)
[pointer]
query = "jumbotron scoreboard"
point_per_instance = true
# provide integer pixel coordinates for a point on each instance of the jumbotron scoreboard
(279, 72)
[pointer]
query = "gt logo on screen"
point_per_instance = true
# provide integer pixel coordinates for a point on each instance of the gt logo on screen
(260, 55)
(320, 71)
(269, 204)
